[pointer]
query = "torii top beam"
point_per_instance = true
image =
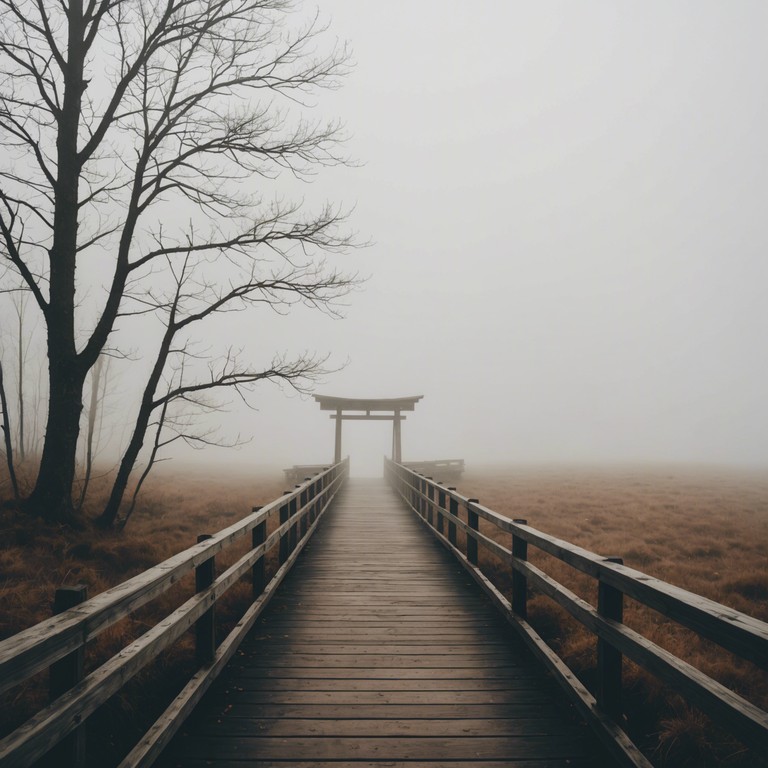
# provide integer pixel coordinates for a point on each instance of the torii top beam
(371, 409)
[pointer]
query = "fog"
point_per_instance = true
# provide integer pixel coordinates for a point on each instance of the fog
(567, 203)
(566, 208)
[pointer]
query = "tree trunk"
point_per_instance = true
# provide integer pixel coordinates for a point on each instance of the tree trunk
(20, 350)
(52, 496)
(92, 414)
(107, 518)
(112, 508)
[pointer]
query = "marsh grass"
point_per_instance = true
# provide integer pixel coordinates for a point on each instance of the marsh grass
(705, 530)
(36, 558)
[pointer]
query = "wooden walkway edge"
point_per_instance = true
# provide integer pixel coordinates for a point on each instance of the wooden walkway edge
(379, 650)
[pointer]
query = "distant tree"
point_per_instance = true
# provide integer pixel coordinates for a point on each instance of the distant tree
(121, 119)
(95, 415)
(20, 299)
(5, 425)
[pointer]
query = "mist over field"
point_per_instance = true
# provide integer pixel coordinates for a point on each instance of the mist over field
(566, 210)
(567, 204)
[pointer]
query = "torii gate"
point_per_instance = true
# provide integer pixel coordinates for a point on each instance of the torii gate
(371, 411)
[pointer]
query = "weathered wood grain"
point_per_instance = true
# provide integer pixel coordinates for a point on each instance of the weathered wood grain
(378, 647)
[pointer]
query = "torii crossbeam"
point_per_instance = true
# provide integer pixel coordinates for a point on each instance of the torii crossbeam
(369, 409)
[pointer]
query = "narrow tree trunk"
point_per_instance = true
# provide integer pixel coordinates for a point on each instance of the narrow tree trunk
(107, 518)
(6, 426)
(150, 463)
(92, 414)
(22, 449)
(112, 508)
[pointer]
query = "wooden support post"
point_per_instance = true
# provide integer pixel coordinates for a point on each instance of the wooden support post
(519, 581)
(440, 507)
(304, 501)
(285, 536)
(205, 626)
(295, 527)
(422, 494)
(259, 576)
(474, 523)
(313, 507)
(610, 605)
(453, 508)
(63, 675)
(337, 444)
(431, 502)
(317, 492)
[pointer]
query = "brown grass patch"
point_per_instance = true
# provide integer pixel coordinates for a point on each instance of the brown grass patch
(704, 530)
(36, 558)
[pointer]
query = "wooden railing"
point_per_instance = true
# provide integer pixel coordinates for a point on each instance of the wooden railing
(445, 511)
(59, 642)
(445, 469)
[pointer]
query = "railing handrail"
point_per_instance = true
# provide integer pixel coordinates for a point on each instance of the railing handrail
(741, 634)
(38, 647)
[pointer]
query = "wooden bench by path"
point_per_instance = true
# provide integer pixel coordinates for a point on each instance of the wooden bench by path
(379, 650)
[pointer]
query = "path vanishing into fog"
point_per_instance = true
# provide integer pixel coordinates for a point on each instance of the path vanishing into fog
(380, 650)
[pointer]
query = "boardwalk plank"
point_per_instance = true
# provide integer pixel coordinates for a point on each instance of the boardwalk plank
(379, 651)
(193, 762)
(411, 748)
(295, 727)
(225, 708)
(367, 684)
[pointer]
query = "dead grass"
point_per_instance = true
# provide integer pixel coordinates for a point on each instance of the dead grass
(705, 530)
(36, 558)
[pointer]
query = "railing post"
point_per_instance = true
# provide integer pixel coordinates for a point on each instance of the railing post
(66, 673)
(519, 581)
(205, 626)
(422, 493)
(305, 496)
(321, 484)
(283, 553)
(313, 495)
(259, 576)
(474, 523)
(440, 507)
(431, 502)
(610, 605)
(453, 508)
(294, 529)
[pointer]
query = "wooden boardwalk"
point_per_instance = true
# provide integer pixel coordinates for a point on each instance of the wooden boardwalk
(378, 650)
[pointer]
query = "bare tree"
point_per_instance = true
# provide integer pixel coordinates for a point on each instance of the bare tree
(191, 302)
(119, 117)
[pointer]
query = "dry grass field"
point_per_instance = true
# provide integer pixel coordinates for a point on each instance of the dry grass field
(179, 503)
(703, 529)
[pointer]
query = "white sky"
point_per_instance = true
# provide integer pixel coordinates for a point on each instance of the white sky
(568, 203)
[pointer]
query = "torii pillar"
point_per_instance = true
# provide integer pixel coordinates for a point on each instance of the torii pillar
(366, 409)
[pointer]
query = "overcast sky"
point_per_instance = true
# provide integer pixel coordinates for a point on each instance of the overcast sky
(567, 203)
